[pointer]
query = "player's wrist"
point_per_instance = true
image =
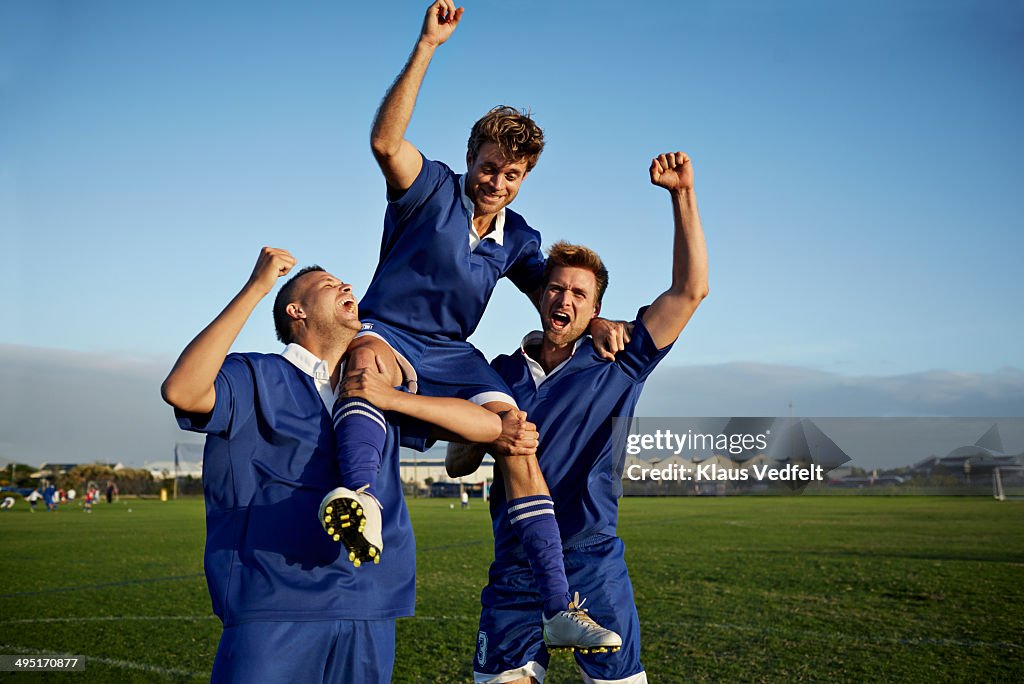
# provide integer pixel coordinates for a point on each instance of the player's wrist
(255, 289)
(428, 45)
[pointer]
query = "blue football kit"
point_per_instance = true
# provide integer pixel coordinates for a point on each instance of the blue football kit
(281, 588)
(429, 281)
(573, 407)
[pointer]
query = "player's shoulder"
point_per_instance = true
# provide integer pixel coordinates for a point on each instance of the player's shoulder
(437, 169)
(515, 223)
(256, 358)
(505, 363)
(258, 363)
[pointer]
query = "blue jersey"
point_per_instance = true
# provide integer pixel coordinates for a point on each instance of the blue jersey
(573, 409)
(428, 281)
(269, 460)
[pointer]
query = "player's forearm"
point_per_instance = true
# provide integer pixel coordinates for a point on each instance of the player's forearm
(670, 312)
(463, 459)
(458, 416)
(189, 386)
(689, 251)
(395, 111)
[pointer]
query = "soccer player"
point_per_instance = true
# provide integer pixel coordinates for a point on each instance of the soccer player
(293, 609)
(559, 380)
(447, 239)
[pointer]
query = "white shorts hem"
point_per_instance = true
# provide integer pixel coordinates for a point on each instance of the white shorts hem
(530, 669)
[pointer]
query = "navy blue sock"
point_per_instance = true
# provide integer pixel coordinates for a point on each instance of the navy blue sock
(359, 429)
(533, 519)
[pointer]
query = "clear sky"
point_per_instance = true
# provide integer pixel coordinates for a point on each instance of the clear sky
(857, 168)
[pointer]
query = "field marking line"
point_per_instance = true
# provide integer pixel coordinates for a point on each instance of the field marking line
(458, 545)
(828, 637)
(123, 664)
(104, 585)
(109, 618)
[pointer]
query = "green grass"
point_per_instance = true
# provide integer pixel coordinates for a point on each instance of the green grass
(919, 589)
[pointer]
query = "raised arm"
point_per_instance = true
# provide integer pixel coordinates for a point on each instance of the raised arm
(398, 159)
(671, 311)
(459, 417)
(189, 386)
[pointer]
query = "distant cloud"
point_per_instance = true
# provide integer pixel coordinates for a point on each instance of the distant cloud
(755, 389)
(58, 405)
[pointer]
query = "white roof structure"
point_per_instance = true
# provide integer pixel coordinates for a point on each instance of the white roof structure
(164, 469)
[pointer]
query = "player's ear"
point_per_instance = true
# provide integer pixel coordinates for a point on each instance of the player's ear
(469, 159)
(295, 311)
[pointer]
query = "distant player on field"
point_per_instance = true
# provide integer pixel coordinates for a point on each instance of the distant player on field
(293, 608)
(559, 379)
(448, 238)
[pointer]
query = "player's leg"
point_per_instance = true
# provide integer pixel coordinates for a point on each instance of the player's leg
(600, 571)
(351, 512)
(363, 651)
(458, 369)
(273, 652)
(510, 644)
(531, 512)
(360, 427)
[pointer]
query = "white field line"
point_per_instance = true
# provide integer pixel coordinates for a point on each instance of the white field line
(113, 662)
(109, 618)
(827, 637)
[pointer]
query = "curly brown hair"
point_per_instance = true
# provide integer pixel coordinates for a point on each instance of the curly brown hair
(577, 256)
(516, 134)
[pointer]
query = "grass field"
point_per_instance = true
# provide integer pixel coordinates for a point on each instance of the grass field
(921, 589)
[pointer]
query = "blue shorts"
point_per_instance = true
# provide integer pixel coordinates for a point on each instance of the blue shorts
(441, 368)
(510, 643)
(318, 651)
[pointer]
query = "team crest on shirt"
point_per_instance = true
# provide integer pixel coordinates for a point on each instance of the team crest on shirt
(481, 647)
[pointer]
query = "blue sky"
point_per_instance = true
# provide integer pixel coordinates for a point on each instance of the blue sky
(857, 168)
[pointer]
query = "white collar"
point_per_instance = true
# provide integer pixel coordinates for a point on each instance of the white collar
(498, 234)
(305, 361)
(536, 370)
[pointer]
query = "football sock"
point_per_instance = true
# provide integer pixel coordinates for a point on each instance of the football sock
(359, 429)
(533, 519)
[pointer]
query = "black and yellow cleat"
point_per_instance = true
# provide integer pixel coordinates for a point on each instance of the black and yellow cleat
(354, 519)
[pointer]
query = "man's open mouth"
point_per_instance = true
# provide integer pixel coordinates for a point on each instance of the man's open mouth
(560, 320)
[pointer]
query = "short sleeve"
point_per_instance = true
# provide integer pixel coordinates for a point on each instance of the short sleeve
(234, 389)
(431, 177)
(527, 272)
(641, 354)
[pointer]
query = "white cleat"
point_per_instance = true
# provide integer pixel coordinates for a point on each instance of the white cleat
(573, 628)
(353, 518)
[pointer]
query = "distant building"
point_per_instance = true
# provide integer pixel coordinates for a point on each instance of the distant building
(418, 468)
(979, 458)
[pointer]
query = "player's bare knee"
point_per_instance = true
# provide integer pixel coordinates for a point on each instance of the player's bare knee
(369, 352)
